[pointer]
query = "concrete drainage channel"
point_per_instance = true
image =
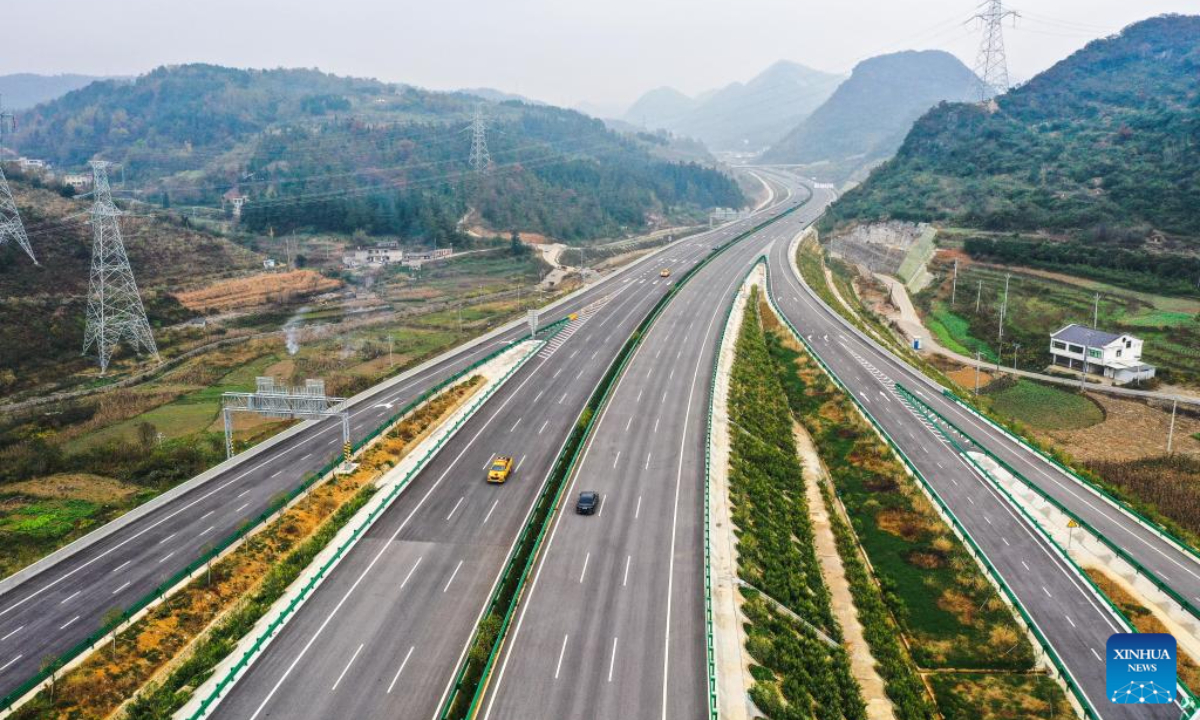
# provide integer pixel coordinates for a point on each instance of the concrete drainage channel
(501, 366)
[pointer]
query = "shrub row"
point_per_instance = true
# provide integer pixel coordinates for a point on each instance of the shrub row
(798, 675)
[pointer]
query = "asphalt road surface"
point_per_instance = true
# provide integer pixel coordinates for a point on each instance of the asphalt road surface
(613, 624)
(1077, 624)
(383, 635)
(52, 611)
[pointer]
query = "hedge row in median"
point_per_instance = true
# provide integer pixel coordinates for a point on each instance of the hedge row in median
(799, 675)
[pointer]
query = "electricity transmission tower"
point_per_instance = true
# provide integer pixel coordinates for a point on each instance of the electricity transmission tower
(991, 66)
(481, 160)
(115, 310)
(11, 227)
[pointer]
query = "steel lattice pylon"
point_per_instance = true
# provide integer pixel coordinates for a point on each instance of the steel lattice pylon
(115, 310)
(991, 66)
(11, 227)
(481, 160)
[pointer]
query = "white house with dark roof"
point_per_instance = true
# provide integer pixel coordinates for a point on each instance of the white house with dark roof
(1094, 351)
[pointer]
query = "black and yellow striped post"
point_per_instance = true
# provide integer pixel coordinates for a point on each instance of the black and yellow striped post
(347, 451)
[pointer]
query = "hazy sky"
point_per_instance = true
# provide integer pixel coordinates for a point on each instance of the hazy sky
(605, 52)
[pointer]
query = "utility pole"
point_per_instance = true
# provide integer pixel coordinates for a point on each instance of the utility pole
(1003, 308)
(954, 285)
(978, 362)
(1171, 432)
(1083, 375)
(1096, 312)
(115, 310)
(991, 65)
(978, 296)
(481, 160)
(11, 227)
(1016, 348)
(391, 342)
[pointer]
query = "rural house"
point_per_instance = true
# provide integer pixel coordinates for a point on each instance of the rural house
(1115, 356)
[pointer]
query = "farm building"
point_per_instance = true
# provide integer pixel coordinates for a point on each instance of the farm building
(1116, 356)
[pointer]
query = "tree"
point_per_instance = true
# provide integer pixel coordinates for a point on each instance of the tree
(147, 435)
(516, 246)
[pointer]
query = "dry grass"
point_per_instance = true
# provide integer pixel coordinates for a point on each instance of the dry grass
(261, 289)
(156, 643)
(75, 486)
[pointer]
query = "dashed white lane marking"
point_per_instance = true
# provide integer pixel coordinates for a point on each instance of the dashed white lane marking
(648, 456)
(453, 575)
(455, 508)
(160, 542)
(561, 653)
(68, 623)
(489, 512)
(656, 423)
(402, 664)
(242, 508)
(625, 577)
(70, 597)
(562, 399)
(127, 584)
(628, 423)
(1046, 591)
(514, 426)
(121, 566)
(638, 511)
(1025, 564)
(583, 572)
(347, 668)
(412, 570)
(166, 557)
(210, 512)
(1092, 649)
(615, 459)
(543, 428)
(613, 660)
(1068, 617)
(14, 632)
(239, 495)
(6, 665)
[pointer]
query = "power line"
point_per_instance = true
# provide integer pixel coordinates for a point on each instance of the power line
(115, 310)
(481, 160)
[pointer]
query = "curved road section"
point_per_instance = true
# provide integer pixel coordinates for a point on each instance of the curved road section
(385, 632)
(58, 607)
(612, 625)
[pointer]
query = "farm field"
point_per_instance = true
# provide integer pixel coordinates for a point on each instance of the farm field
(1041, 406)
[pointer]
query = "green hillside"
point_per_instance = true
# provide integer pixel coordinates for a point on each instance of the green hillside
(321, 152)
(1104, 146)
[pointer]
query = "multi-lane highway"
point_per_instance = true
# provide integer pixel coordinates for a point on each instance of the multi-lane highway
(384, 633)
(59, 606)
(613, 623)
(1059, 602)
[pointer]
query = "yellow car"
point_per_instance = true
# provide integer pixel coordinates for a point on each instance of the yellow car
(501, 469)
(665, 273)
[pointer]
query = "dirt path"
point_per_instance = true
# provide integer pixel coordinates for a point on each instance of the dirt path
(862, 663)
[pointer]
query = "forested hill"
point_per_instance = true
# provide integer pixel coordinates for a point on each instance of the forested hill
(1108, 138)
(868, 116)
(312, 150)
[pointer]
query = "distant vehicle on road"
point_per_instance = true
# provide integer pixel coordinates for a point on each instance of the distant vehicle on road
(501, 469)
(665, 272)
(588, 500)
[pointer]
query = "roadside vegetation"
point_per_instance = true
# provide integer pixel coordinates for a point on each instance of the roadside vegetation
(797, 675)
(179, 643)
(1042, 406)
(923, 602)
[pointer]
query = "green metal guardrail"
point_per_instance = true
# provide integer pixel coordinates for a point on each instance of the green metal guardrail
(230, 675)
(933, 416)
(246, 528)
(710, 651)
(1150, 525)
(961, 531)
(568, 459)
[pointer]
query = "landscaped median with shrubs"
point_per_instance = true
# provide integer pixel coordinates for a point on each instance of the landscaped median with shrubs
(798, 674)
(212, 612)
(926, 607)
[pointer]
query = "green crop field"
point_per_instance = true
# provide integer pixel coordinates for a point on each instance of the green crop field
(1045, 407)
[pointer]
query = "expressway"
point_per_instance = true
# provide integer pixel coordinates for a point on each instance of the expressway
(612, 625)
(59, 606)
(384, 633)
(1057, 600)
